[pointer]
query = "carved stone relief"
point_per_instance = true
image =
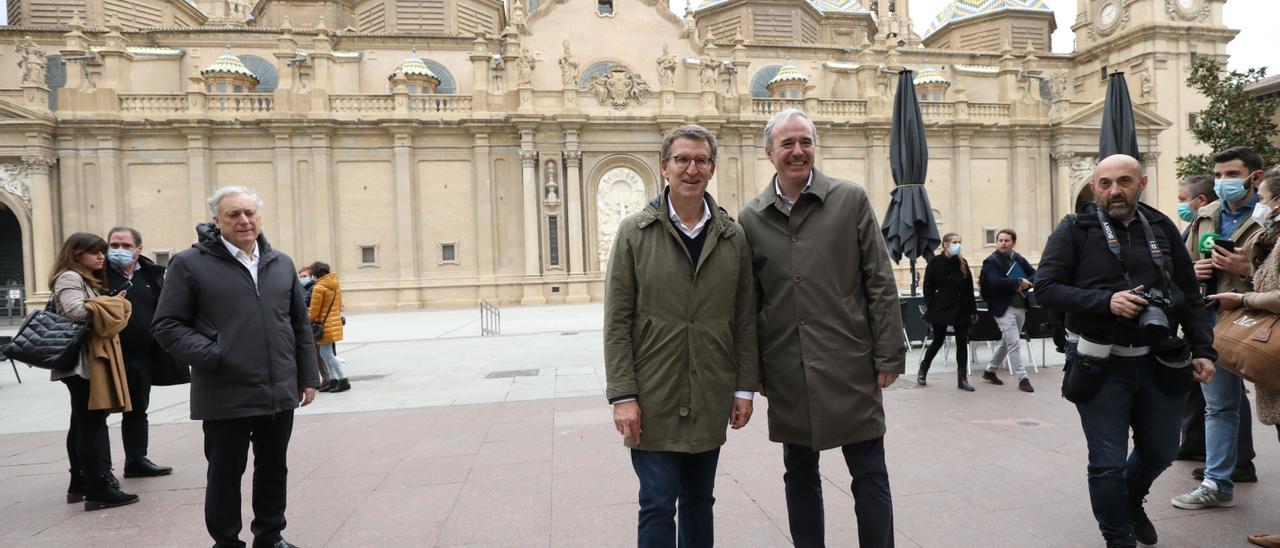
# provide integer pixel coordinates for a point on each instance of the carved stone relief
(1081, 172)
(618, 88)
(13, 180)
(32, 61)
(1187, 10)
(619, 194)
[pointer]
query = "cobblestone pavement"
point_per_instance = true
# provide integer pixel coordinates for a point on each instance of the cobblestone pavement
(450, 439)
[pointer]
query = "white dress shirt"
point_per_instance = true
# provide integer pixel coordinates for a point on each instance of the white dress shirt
(250, 260)
(783, 197)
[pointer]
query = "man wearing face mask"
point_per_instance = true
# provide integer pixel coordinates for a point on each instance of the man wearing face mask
(1194, 192)
(145, 363)
(1236, 216)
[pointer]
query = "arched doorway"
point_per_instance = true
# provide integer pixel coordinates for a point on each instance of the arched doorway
(12, 267)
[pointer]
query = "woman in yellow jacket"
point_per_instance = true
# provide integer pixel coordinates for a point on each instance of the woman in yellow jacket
(326, 308)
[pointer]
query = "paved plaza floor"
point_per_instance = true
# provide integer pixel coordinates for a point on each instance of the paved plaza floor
(451, 439)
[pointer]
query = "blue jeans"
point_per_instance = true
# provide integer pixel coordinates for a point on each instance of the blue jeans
(331, 361)
(1222, 428)
(671, 481)
(1118, 482)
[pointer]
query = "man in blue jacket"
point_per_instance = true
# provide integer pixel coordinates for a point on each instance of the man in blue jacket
(1006, 276)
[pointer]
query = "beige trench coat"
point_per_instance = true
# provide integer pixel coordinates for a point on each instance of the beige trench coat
(829, 315)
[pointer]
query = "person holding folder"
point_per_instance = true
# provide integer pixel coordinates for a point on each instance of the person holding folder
(1006, 277)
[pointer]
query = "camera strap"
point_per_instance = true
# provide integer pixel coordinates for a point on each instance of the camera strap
(1113, 243)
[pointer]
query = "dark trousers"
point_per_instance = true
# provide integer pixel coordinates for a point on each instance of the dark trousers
(88, 446)
(226, 446)
(133, 424)
(1128, 398)
(675, 483)
(872, 502)
(1193, 430)
(962, 349)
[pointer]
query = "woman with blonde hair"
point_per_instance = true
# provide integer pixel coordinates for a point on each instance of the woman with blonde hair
(949, 302)
(77, 281)
(1265, 296)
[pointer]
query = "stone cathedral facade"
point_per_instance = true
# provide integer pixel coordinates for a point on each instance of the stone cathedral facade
(440, 151)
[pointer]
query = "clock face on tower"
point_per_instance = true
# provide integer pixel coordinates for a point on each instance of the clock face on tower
(1187, 5)
(1107, 14)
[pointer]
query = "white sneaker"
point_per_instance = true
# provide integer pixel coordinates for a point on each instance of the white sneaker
(1203, 496)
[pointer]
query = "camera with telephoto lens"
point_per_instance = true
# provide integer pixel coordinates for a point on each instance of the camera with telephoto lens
(1152, 320)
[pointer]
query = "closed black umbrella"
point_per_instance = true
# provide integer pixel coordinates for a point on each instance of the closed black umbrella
(1119, 132)
(909, 228)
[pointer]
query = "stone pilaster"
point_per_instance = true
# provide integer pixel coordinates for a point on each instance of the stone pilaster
(44, 238)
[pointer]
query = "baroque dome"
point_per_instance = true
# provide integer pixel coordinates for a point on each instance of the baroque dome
(957, 10)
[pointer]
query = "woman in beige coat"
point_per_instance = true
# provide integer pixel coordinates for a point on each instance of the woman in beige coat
(78, 276)
(1265, 296)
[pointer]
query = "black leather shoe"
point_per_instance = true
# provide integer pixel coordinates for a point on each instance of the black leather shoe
(990, 376)
(282, 543)
(144, 468)
(920, 380)
(1240, 475)
(1143, 529)
(964, 385)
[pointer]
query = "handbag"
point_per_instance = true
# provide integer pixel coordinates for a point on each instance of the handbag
(317, 328)
(48, 340)
(1249, 346)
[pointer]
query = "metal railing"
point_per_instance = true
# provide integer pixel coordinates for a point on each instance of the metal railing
(490, 319)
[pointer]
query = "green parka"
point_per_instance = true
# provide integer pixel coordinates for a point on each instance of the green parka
(681, 339)
(829, 315)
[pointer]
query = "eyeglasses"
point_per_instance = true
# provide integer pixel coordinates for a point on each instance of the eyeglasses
(702, 162)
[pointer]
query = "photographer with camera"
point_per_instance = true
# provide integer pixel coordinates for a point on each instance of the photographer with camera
(1118, 272)
(1225, 233)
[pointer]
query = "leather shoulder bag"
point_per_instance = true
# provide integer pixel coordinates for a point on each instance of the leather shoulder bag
(1248, 345)
(48, 340)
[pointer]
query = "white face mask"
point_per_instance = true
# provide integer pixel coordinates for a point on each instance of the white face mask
(1262, 215)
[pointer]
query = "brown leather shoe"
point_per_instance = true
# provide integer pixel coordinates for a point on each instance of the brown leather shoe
(1265, 541)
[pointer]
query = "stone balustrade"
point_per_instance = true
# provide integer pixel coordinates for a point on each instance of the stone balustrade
(934, 111)
(769, 106)
(362, 104)
(843, 108)
(443, 104)
(989, 111)
(149, 103)
(240, 103)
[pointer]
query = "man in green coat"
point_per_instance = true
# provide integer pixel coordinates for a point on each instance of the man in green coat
(830, 330)
(679, 341)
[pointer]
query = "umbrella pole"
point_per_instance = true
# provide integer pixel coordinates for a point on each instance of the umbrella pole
(914, 278)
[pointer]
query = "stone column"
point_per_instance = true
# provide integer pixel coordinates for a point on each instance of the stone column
(1062, 201)
(484, 203)
(1153, 195)
(963, 197)
(532, 241)
(406, 232)
(287, 200)
(573, 205)
(108, 195)
(197, 176)
(1043, 177)
(321, 189)
(877, 163)
(44, 245)
(1020, 196)
(480, 58)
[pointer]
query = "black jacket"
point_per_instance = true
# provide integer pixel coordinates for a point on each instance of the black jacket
(948, 293)
(996, 286)
(136, 341)
(1078, 275)
(250, 348)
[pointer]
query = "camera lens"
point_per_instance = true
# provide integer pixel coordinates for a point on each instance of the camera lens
(1154, 322)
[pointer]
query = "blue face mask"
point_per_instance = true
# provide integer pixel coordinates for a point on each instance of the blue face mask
(304, 280)
(1185, 212)
(1230, 190)
(955, 249)
(120, 258)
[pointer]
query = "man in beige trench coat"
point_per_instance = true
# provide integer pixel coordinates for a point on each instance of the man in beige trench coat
(830, 330)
